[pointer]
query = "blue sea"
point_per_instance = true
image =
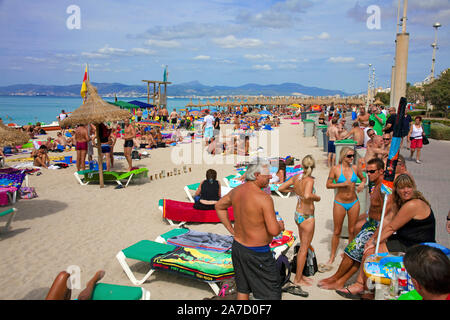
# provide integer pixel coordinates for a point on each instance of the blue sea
(24, 110)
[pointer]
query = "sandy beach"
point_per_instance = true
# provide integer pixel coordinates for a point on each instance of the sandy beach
(85, 226)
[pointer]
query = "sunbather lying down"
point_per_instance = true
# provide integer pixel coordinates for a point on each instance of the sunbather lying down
(60, 291)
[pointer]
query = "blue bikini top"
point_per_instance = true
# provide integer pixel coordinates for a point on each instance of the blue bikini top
(342, 177)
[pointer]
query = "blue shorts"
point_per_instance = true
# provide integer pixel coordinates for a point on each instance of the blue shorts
(209, 132)
(331, 147)
(355, 249)
(106, 148)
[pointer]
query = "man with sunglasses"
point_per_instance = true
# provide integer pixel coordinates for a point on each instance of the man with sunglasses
(354, 251)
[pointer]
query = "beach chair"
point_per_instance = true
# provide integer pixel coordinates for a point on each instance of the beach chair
(231, 182)
(11, 212)
(193, 187)
(184, 212)
(92, 176)
(189, 262)
(101, 291)
(213, 265)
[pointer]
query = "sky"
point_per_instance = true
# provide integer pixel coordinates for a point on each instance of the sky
(321, 43)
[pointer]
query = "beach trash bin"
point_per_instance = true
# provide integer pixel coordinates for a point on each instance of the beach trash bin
(325, 139)
(308, 128)
(339, 144)
(319, 134)
(426, 127)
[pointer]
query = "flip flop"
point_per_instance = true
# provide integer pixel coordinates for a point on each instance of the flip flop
(296, 290)
(324, 267)
(348, 294)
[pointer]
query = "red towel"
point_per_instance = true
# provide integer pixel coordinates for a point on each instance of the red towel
(184, 211)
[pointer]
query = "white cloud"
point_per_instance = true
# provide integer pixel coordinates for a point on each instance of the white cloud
(376, 43)
(341, 59)
(34, 59)
(324, 36)
(142, 51)
(163, 43)
(307, 38)
(231, 41)
(263, 67)
(257, 56)
(200, 57)
(362, 65)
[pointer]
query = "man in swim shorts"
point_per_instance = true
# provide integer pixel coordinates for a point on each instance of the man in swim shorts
(332, 133)
(82, 138)
(129, 135)
(254, 228)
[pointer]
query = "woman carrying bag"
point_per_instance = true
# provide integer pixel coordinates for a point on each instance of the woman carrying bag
(416, 136)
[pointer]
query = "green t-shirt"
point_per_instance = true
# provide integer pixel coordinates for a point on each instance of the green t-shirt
(378, 127)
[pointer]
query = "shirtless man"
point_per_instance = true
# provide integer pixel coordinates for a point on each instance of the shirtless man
(356, 134)
(173, 118)
(81, 138)
(363, 117)
(236, 123)
(139, 114)
(254, 228)
(333, 134)
(386, 146)
(375, 149)
(129, 135)
(165, 114)
(354, 251)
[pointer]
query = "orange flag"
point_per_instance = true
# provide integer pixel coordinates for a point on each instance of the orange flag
(83, 86)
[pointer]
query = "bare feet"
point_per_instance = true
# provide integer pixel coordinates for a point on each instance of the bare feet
(304, 281)
(86, 294)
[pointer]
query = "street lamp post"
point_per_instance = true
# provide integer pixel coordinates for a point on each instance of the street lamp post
(435, 47)
(401, 60)
(368, 88)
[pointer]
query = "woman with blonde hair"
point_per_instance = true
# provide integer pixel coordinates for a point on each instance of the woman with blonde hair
(304, 218)
(343, 177)
(411, 220)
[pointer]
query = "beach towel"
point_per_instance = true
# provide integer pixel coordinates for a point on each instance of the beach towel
(12, 180)
(202, 240)
(184, 211)
(194, 263)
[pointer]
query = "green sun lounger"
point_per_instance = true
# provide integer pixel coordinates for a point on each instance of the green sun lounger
(105, 291)
(184, 261)
(11, 212)
(92, 176)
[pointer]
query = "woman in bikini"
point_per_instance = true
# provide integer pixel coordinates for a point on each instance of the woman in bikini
(343, 177)
(304, 218)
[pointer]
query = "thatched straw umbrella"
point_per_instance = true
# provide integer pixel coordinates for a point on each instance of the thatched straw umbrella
(11, 136)
(95, 110)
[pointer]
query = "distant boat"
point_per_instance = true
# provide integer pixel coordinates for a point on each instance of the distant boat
(54, 126)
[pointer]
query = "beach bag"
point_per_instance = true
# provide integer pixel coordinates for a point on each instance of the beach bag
(310, 267)
(425, 140)
(27, 193)
(135, 155)
(284, 268)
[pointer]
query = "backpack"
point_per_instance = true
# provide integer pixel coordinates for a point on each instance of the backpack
(135, 155)
(310, 264)
(27, 193)
(284, 268)
(104, 133)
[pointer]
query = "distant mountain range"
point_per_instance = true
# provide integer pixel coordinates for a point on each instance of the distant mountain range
(193, 88)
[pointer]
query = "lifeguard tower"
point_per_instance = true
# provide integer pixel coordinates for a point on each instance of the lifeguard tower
(159, 95)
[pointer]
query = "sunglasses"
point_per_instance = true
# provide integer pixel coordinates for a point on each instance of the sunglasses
(350, 156)
(371, 171)
(386, 139)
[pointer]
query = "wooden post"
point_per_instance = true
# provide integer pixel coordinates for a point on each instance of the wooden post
(100, 156)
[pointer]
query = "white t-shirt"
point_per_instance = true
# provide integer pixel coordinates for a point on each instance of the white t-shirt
(366, 137)
(209, 119)
(62, 116)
